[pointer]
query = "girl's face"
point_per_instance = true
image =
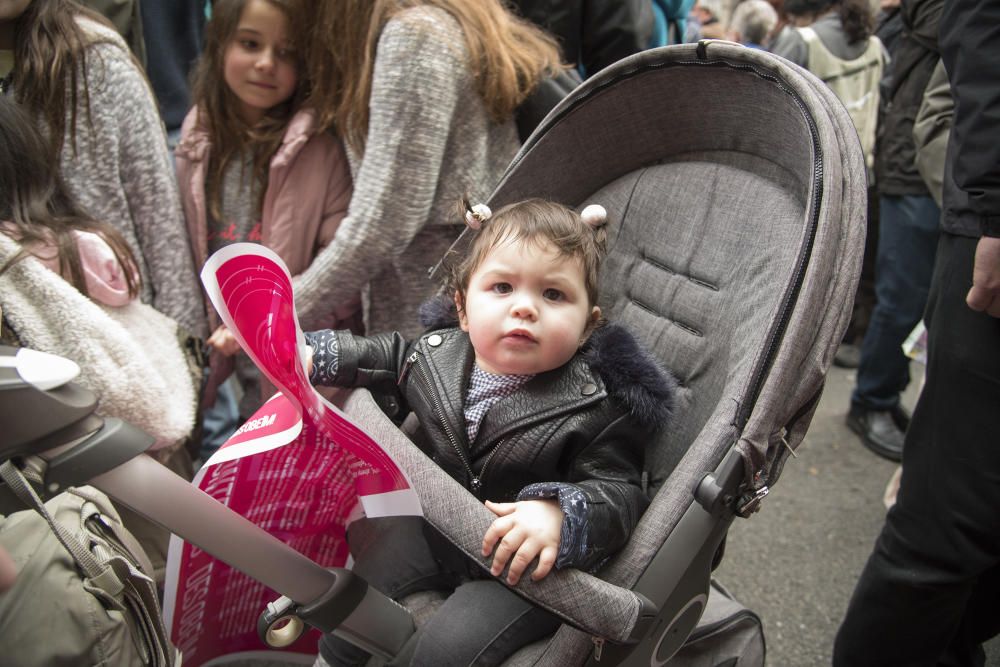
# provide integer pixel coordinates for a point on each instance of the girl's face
(526, 309)
(258, 66)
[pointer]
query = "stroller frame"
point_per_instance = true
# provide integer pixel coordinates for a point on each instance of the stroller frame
(651, 596)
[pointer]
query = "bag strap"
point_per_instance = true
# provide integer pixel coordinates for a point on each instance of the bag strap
(17, 482)
(135, 550)
(130, 589)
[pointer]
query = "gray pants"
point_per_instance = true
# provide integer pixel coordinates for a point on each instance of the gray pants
(481, 623)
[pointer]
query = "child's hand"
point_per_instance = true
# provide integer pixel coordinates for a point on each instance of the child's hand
(526, 530)
(308, 359)
(222, 340)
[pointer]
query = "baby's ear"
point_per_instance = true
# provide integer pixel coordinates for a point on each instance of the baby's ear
(463, 321)
(592, 322)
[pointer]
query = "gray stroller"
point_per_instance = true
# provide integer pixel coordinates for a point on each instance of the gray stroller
(736, 188)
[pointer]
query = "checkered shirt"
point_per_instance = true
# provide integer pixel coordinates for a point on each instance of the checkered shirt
(485, 389)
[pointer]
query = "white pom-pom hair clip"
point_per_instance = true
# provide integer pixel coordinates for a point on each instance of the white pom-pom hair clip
(476, 215)
(594, 215)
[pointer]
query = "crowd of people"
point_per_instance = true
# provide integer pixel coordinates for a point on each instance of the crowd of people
(137, 138)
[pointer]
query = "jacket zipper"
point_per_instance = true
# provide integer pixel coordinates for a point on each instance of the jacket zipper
(439, 411)
(406, 367)
(476, 482)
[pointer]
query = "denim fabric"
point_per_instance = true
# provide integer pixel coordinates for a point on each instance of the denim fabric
(481, 623)
(220, 421)
(908, 235)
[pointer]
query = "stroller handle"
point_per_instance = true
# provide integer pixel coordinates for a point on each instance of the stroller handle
(330, 599)
(46, 415)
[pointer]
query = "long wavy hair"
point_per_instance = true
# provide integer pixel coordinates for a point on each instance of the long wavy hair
(50, 56)
(218, 108)
(37, 207)
(508, 56)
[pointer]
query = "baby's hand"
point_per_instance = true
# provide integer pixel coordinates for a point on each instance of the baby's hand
(526, 530)
(222, 340)
(308, 359)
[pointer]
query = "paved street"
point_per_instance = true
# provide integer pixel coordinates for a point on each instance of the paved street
(795, 562)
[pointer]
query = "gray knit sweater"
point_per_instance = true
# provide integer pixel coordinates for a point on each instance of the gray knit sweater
(429, 141)
(121, 173)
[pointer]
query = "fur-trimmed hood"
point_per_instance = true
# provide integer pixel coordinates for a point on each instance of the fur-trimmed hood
(633, 376)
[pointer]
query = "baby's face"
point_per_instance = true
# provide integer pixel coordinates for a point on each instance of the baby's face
(526, 309)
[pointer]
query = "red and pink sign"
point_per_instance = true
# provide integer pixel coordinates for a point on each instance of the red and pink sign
(298, 468)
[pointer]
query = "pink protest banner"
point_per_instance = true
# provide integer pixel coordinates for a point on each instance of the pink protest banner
(299, 469)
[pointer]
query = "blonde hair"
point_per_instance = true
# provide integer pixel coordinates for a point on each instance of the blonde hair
(508, 57)
(232, 137)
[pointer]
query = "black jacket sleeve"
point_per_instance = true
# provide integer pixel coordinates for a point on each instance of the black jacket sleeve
(609, 473)
(971, 53)
(373, 362)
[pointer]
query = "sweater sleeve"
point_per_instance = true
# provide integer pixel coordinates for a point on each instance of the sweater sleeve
(126, 143)
(420, 77)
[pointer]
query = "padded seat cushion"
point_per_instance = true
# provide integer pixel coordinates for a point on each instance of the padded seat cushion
(697, 246)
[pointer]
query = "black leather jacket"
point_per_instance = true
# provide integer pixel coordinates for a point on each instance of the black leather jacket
(586, 423)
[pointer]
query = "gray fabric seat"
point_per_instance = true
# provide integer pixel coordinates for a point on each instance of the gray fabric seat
(735, 187)
(694, 286)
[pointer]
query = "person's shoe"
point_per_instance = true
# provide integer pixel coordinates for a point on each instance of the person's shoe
(848, 355)
(878, 431)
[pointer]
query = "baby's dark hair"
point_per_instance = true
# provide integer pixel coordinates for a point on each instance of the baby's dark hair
(533, 221)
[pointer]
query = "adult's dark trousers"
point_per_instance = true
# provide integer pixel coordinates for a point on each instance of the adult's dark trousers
(480, 623)
(930, 592)
(907, 240)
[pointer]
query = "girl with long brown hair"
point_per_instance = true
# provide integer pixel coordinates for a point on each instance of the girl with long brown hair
(423, 93)
(76, 77)
(252, 164)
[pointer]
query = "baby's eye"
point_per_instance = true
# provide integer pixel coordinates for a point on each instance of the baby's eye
(249, 44)
(286, 54)
(553, 294)
(502, 288)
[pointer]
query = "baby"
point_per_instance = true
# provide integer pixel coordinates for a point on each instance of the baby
(531, 405)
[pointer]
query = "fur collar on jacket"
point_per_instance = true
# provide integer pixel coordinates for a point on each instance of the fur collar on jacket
(632, 375)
